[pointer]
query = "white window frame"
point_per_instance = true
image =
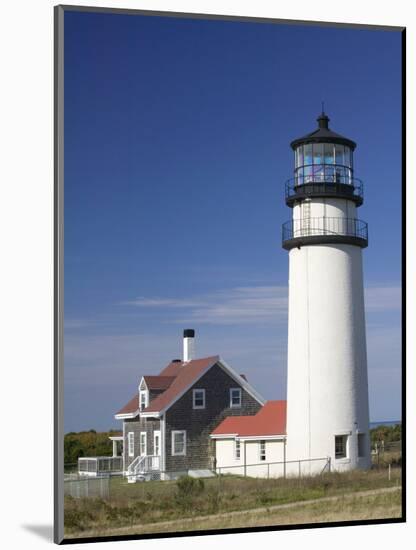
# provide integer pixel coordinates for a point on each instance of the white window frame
(262, 450)
(143, 399)
(346, 439)
(130, 443)
(174, 452)
(156, 434)
(194, 393)
(233, 406)
(237, 449)
(143, 448)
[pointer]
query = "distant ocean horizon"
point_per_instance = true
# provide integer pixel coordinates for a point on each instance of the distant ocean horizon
(384, 423)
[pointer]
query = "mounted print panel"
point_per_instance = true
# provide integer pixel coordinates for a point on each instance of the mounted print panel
(228, 266)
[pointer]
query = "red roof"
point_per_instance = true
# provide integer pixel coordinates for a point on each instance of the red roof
(174, 379)
(131, 407)
(158, 382)
(172, 369)
(187, 373)
(270, 420)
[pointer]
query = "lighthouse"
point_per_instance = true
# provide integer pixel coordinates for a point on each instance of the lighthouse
(327, 387)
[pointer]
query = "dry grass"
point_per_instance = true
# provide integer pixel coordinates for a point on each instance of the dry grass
(355, 507)
(136, 508)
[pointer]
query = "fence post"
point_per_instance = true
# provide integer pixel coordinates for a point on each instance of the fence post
(389, 472)
(268, 470)
(299, 468)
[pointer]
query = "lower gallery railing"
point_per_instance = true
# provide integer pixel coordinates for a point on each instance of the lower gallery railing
(338, 227)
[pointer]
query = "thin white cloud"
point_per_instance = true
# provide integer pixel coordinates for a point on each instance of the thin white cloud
(244, 304)
(161, 302)
(235, 306)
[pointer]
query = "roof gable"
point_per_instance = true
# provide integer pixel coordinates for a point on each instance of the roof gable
(158, 382)
(177, 378)
(188, 374)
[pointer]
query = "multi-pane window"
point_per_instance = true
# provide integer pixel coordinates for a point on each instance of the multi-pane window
(198, 399)
(262, 450)
(178, 442)
(235, 397)
(143, 399)
(361, 445)
(143, 445)
(341, 446)
(130, 443)
(323, 163)
(156, 443)
(237, 449)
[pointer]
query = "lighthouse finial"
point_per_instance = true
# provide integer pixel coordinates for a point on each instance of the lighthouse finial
(323, 110)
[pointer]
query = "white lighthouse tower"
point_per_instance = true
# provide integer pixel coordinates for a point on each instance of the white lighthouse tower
(327, 388)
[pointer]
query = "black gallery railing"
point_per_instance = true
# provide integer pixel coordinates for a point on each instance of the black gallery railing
(301, 187)
(310, 227)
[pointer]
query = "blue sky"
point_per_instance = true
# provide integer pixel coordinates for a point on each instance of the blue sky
(177, 137)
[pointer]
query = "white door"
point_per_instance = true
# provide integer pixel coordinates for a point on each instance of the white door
(156, 450)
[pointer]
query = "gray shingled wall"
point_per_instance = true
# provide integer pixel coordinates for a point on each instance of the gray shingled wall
(148, 425)
(199, 423)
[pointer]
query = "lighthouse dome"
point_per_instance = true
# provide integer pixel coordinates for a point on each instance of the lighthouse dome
(323, 134)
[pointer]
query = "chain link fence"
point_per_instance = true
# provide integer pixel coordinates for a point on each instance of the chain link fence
(385, 458)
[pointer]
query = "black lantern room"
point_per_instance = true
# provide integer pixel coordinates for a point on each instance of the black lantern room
(323, 166)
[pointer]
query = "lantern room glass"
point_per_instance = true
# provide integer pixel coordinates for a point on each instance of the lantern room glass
(323, 163)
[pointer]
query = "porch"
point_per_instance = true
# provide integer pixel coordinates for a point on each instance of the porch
(144, 468)
(100, 465)
(103, 465)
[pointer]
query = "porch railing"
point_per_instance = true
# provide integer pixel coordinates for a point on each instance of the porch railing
(98, 465)
(144, 464)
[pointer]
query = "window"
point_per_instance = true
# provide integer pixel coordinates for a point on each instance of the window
(299, 156)
(308, 174)
(237, 449)
(235, 397)
(143, 399)
(262, 450)
(347, 157)
(307, 153)
(329, 153)
(143, 445)
(361, 445)
(130, 443)
(318, 153)
(341, 446)
(156, 443)
(178, 442)
(198, 399)
(318, 172)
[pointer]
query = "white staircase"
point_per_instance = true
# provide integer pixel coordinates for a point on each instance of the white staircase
(144, 468)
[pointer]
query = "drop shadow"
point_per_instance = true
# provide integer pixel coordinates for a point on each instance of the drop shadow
(45, 532)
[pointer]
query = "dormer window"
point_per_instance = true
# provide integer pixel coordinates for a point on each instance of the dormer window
(235, 397)
(143, 399)
(198, 399)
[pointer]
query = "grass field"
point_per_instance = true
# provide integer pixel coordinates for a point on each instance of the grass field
(231, 502)
(383, 504)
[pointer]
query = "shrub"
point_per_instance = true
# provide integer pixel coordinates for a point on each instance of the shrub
(188, 489)
(188, 486)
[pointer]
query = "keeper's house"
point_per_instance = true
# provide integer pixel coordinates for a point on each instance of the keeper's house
(168, 422)
(253, 445)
